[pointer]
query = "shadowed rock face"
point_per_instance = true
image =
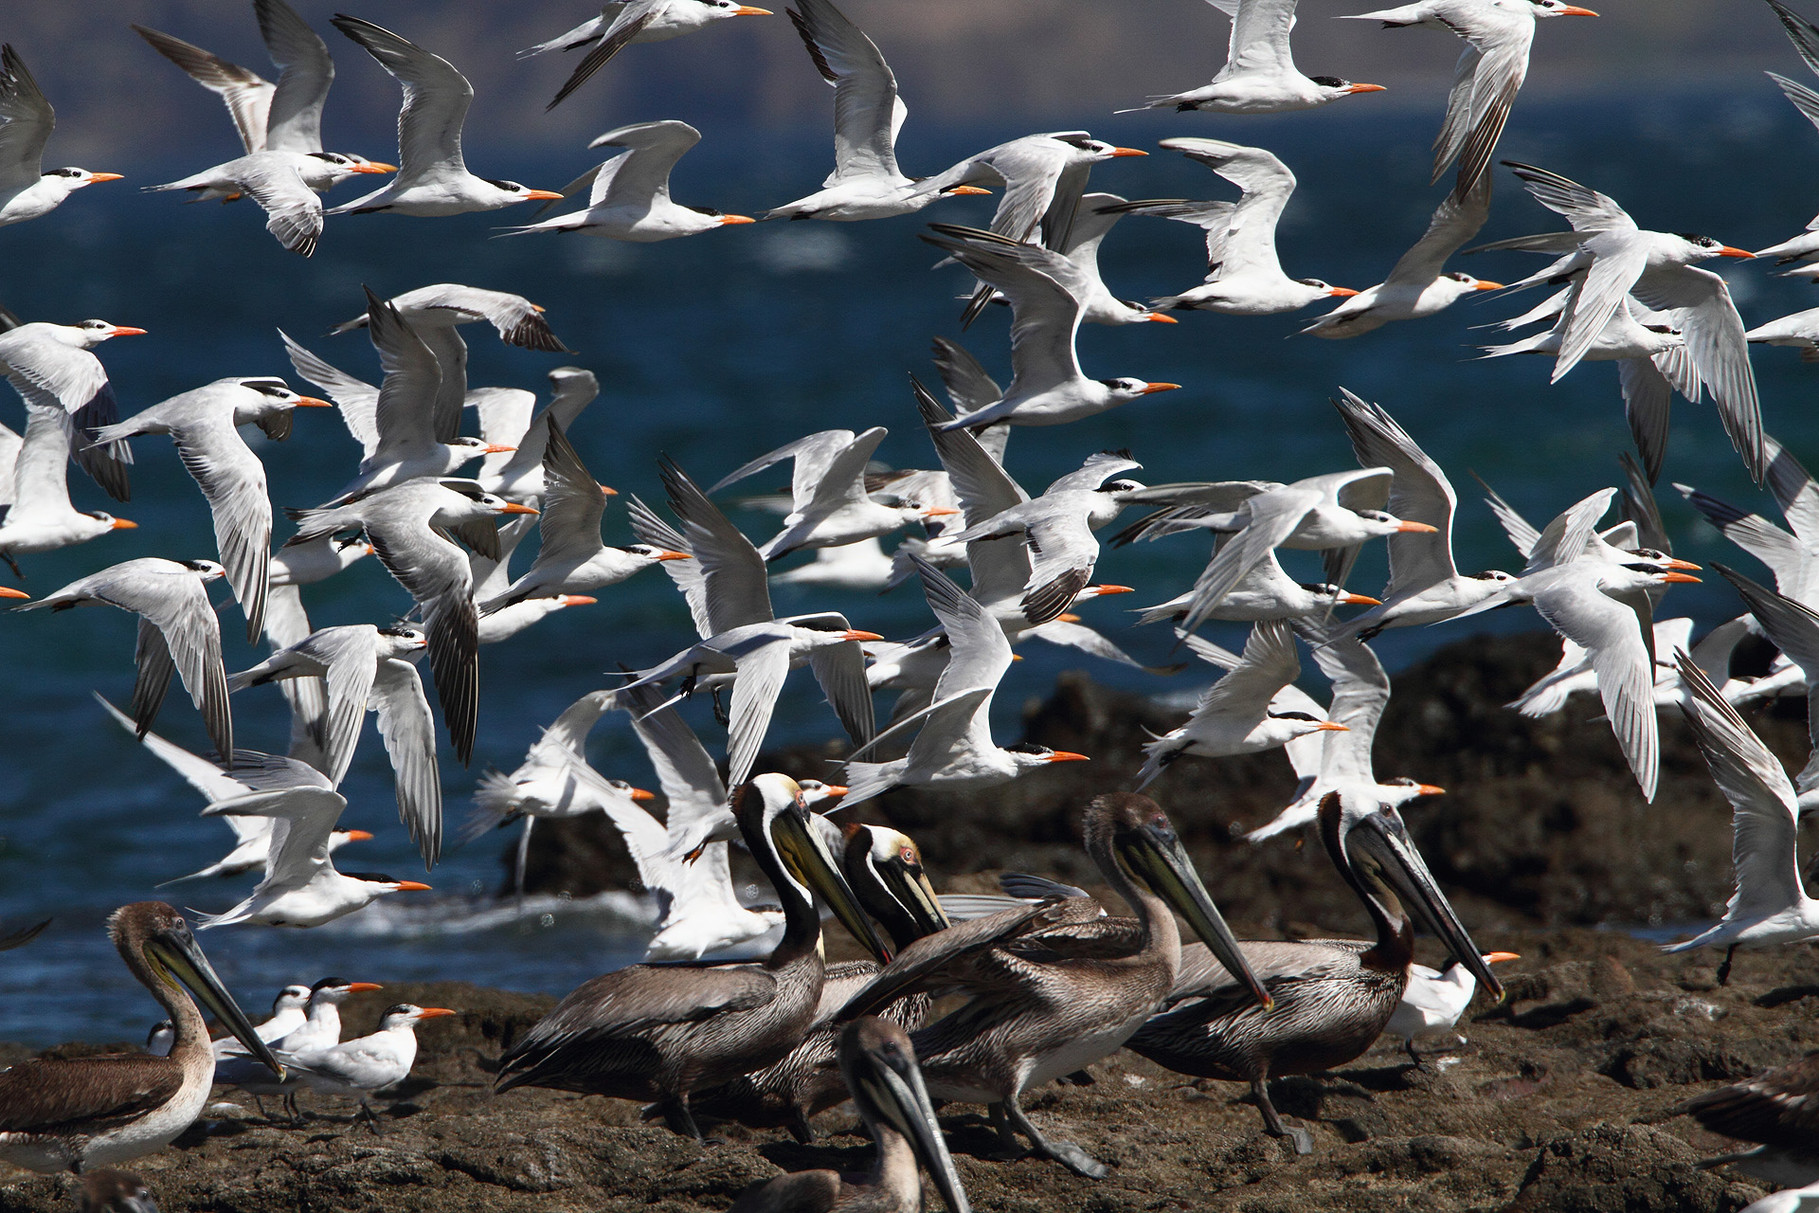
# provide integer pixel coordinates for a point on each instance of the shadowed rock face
(1542, 823)
(1558, 1102)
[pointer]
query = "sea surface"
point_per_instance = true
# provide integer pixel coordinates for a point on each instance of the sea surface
(717, 348)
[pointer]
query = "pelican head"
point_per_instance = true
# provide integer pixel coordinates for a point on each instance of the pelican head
(1137, 834)
(772, 817)
(884, 868)
(879, 1065)
(1370, 844)
(153, 937)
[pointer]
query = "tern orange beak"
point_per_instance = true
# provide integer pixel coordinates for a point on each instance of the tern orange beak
(968, 189)
(858, 635)
(1066, 756)
(1684, 577)
(1732, 251)
(364, 985)
(375, 167)
(640, 794)
(607, 490)
(1428, 789)
(313, 402)
(1149, 388)
(94, 177)
(938, 511)
(1129, 151)
(512, 507)
(1482, 285)
(497, 448)
(1417, 528)
(730, 220)
(7, 591)
(543, 195)
(1365, 88)
(126, 330)
(1351, 599)
(412, 886)
(1331, 726)
(1686, 565)
(835, 791)
(358, 835)
(434, 1012)
(579, 600)
(1016, 656)
(1067, 617)
(1114, 589)
(668, 555)
(1161, 318)
(122, 524)
(1341, 292)
(1500, 957)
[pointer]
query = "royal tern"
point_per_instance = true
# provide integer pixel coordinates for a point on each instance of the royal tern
(953, 748)
(1055, 986)
(1047, 386)
(1791, 552)
(321, 1028)
(1490, 72)
(1236, 714)
(1094, 218)
(571, 559)
(878, 1063)
(661, 1032)
(1266, 592)
(1425, 585)
(1770, 905)
(1259, 76)
(1617, 258)
(178, 632)
(301, 886)
(1418, 284)
(367, 668)
(287, 1016)
(204, 425)
(69, 1114)
(628, 198)
(1805, 37)
(1797, 330)
(828, 498)
(862, 565)
(35, 511)
(1329, 513)
(1434, 999)
(1573, 674)
(1243, 275)
(624, 22)
(27, 191)
(1775, 1109)
(409, 527)
(366, 1063)
(251, 772)
(293, 211)
(866, 182)
(432, 175)
(50, 365)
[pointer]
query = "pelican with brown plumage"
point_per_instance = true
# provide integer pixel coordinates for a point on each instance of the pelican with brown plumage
(1058, 985)
(878, 1063)
(73, 1113)
(1332, 997)
(652, 1032)
(884, 868)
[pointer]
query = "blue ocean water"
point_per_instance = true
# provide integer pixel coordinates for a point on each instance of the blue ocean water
(717, 348)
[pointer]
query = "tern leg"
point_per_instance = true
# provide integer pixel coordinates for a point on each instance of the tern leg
(1724, 970)
(524, 852)
(13, 565)
(720, 716)
(372, 1121)
(1413, 1056)
(1272, 1123)
(1066, 1153)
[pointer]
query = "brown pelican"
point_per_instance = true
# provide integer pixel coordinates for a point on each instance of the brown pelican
(105, 1190)
(879, 1065)
(1058, 985)
(1333, 997)
(69, 1114)
(661, 1032)
(884, 868)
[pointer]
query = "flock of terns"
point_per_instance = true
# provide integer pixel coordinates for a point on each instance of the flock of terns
(973, 999)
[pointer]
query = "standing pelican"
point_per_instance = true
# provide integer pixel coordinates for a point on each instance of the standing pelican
(73, 1113)
(1058, 985)
(661, 1032)
(1332, 997)
(879, 1065)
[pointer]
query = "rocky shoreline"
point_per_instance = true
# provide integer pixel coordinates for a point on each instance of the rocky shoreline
(1560, 1100)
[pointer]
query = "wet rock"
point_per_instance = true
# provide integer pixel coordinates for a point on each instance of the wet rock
(1619, 1168)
